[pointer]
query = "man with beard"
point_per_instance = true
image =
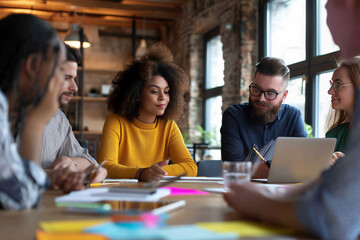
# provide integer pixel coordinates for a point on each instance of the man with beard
(60, 149)
(264, 118)
(327, 207)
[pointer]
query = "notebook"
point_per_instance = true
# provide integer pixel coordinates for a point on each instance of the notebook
(298, 160)
(121, 207)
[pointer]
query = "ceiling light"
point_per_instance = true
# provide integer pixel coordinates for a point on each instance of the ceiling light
(73, 38)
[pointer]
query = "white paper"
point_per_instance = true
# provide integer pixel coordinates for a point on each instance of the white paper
(116, 180)
(102, 194)
(216, 190)
(183, 179)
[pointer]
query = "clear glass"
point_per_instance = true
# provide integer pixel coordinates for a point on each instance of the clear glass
(236, 172)
(325, 43)
(323, 102)
(296, 95)
(214, 63)
(286, 30)
(213, 115)
(285, 40)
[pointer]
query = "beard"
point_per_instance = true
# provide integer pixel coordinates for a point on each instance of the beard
(64, 104)
(263, 118)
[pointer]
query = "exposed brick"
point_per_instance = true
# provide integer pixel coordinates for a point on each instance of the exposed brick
(185, 39)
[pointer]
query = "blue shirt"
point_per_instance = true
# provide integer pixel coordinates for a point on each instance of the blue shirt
(239, 132)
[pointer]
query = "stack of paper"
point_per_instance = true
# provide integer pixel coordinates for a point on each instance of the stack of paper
(102, 194)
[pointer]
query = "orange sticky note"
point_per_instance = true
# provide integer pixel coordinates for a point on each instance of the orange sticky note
(42, 235)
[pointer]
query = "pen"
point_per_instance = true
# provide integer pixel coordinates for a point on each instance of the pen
(86, 179)
(166, 181)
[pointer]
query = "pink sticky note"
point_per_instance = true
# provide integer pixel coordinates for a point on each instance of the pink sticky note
(184, 191)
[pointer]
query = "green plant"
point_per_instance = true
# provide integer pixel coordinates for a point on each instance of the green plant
(186, 137)
(309, 130)
(207, 136)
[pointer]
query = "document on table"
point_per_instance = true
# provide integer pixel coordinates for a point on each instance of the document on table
(102, 194)
(197, 179)
(216, 190)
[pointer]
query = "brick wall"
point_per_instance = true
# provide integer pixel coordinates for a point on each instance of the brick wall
(108, 54)
(237, 20)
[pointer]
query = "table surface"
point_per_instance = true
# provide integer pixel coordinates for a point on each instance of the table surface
(199, 208)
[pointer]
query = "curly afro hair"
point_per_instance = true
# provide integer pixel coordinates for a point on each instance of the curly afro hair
(128, 84)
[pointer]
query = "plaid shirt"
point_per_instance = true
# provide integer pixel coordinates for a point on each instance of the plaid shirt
(21, 182)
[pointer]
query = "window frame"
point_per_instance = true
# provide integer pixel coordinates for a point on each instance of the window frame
(212, 92)
(313, 64)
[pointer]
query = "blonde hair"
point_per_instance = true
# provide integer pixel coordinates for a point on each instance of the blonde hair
(352, 66)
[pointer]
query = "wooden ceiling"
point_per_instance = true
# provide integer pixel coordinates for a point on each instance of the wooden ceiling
(119, 13)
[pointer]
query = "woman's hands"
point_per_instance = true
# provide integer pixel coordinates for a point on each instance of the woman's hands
(153, 173)
(336, 156)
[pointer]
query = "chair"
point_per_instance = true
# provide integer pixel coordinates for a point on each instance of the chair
(209, 168)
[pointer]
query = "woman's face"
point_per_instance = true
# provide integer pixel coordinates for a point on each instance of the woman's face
(41, 69)
(344, 98)
(154, 99)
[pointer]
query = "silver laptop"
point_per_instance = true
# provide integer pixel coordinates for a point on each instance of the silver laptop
(297, 160)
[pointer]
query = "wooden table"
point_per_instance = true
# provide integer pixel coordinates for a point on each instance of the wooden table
(199, 208)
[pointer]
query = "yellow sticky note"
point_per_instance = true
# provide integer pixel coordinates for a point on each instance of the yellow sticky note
(245, 228)
(41, 235)
(71, 226)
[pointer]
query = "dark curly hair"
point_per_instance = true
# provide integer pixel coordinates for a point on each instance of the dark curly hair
(128, 84)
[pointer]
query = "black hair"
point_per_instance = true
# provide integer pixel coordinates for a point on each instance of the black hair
(271, 66)
(128, 84)
(21, 36)
(72, 54)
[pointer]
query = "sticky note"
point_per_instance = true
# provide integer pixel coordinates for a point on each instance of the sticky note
(69, 226)
(41, 235)
(184, 191)
(245, 228)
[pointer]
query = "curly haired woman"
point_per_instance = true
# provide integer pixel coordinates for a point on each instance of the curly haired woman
(141, 134)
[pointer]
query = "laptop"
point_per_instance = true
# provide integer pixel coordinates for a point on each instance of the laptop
(298, 160)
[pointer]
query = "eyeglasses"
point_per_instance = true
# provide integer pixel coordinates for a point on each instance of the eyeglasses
(269, 95)
(337, 86)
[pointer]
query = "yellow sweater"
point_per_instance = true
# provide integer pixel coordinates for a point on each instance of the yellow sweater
(129, 146)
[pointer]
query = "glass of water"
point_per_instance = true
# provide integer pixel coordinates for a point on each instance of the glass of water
(236, 172)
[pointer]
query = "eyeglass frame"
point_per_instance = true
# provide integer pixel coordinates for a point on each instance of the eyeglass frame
(264, 92)
(341, 85)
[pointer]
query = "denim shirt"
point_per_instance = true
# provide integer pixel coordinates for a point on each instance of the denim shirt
(239, 132)
(21, 182)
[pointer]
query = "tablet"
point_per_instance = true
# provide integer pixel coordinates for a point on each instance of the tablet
(123, 207)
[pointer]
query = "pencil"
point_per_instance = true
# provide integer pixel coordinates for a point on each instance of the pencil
(262, 158)
(86, 179)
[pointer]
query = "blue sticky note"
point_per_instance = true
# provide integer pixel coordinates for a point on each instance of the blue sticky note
(182, 232)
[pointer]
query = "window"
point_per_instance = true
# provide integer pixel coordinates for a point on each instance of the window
(296, 95)
(213, 82)
(296, 31)
(322, 102)
(284, 40)
(325, 43)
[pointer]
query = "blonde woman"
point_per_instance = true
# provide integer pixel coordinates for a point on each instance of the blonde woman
(343, 84)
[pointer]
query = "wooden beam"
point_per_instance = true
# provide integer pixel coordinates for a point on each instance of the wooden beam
(115, 5)
(155, 15)
(88, 20)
